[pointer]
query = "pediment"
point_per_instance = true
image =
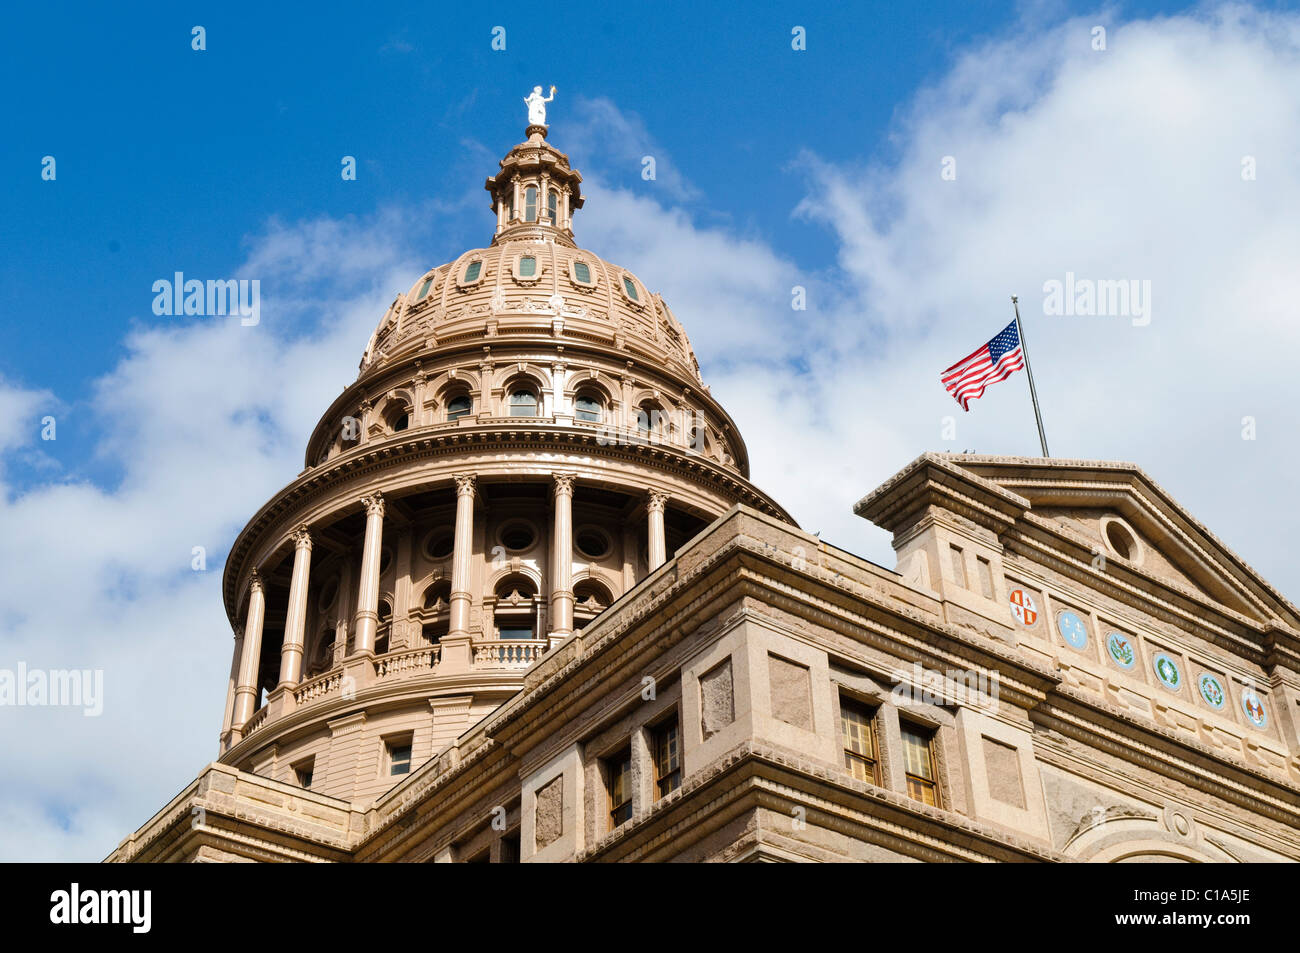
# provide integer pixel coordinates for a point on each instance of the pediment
(1125, 516)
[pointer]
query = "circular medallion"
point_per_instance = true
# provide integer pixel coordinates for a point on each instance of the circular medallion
(1211, 690)
(1254, 708)
(1072, 629)
(1022, 607)
(1121, 650)
(1167, 671)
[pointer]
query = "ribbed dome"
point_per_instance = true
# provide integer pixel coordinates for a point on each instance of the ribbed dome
(566, 292)
(532, 278)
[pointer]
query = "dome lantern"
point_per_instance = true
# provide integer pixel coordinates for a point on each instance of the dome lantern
(536, 192)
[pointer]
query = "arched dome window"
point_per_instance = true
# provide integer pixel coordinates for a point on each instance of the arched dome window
(398, 418)
(523, 401)
(582, 273)
(384, 629)
(629, 286)
(516, 608)
(527, 267)
(473, 271)
(424, 288)
(589, 408)
(438, 596)
(459, 406)
(590, 599)
(530, 204)
(650, 418)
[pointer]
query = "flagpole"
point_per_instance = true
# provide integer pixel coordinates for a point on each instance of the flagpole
(1029, 371)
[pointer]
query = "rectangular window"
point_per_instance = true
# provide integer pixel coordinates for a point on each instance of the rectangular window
(667, 746)
(618, 784)
(399, 757)
(858, 738)
(472, 272)
(530, 205)
(510, 207)
(424, 288)
(303, 771)
(516, 632)
(631, 288)
(918, 760)
(527, 267)
(582, 272)
(986, 577)
(958, 566)
(551, 199)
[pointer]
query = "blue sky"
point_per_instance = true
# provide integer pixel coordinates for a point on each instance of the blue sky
(775, 168)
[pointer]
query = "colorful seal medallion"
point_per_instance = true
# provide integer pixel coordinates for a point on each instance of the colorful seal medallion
(1072, 629)
(1254, 708)
(1121, 650)
(1022, 607)
(1211, 690)
(1167, 671)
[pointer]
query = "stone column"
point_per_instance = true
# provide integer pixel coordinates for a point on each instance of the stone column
(246, 691)
(295, 621)
(367, 618)
(657, 549)
(232, 684)
(562, 558)
(461, 597)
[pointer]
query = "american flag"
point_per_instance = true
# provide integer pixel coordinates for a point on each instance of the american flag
(995, 361)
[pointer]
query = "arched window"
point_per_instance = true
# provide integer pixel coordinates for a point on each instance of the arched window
(589, 408)
(438, 596)
(582, 272)
(459, 406)
(424, 288)
(399, 418)
(590, 599)
(523, 402)
(530, 204)
(516, 608)
(551, 200)
(473, 270)
(630, 288)
(385, 626)
(649, 418)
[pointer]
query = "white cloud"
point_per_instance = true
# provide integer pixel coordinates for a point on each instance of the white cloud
(204, 422)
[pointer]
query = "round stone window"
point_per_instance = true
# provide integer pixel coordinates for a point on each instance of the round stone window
(1120, 539)
(517, 536)
(592, 542)
(439, 544)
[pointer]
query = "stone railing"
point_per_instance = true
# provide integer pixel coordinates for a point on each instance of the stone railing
(412, 660)
(318, 687)
(255, 722)
(508, 653)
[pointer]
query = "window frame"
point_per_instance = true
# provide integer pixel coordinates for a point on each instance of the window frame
(907, 727)
(871, 715)
(457, 415)
(657, 738)
(464, 280)
(620, 760)
(523, 388)
(573, 274)
(394, 744)
(530, 204)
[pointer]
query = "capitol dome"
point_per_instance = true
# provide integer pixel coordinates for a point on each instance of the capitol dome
(528, 438)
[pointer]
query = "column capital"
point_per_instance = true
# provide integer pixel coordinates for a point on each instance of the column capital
(656, 501)
(563, 483)
(374, 504)
(301, 537)
(254, 582)
(465, 484)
